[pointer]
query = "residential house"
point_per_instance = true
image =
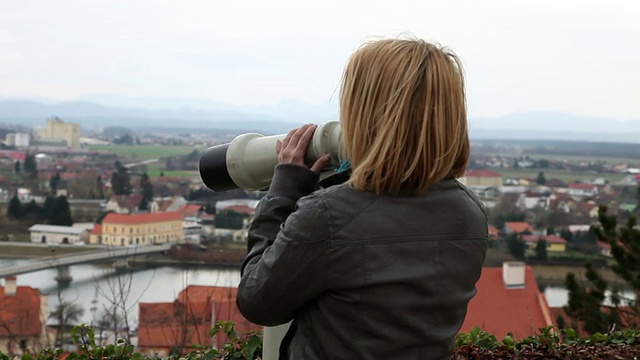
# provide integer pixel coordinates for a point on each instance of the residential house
(605, 249)
(555, 183)
(13, 155)
(192, 232)
(493, 232)
(508, 301)
(56, 234)
(563, 203)
(526, 182)
(124, 204)
(95, 236)
(489, 195)
(482, 178)
(554, 243)
(23, 314)
(247, 206)
(166, 204)
(580, 190)
(160, 205)
(489, 192)
(579, 228)
(141, 229)
(517, 227)
(589, 210)
(530, 200)
(190, 212)
(233, 218)
(167, 328)
(207, 221)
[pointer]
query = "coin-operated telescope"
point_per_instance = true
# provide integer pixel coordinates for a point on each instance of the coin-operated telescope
(247, 162)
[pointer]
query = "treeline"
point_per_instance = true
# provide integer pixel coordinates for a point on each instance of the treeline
(555, 147)
(54, 211)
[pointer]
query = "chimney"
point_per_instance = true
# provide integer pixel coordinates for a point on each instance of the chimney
(513, 274)
(10, 286)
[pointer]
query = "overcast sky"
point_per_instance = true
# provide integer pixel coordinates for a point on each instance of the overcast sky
(579, 56)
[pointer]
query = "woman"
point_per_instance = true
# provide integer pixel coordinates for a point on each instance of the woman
(382, 266)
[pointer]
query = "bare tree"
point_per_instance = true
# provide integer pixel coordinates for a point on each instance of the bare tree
(66, 314)
(117, 311)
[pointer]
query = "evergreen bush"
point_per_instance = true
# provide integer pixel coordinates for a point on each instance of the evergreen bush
(549, 343)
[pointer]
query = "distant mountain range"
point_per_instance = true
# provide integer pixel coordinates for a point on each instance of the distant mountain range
(98, 111)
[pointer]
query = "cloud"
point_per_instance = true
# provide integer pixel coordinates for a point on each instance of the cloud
(572, 56)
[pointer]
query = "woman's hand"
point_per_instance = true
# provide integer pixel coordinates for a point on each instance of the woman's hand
(292, 149)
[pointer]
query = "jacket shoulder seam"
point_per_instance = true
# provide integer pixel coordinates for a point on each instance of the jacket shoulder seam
(473, 197)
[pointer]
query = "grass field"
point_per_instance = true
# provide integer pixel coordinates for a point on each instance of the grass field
(176, 173)
(573, 159)
(576, 159)
(563, 175)
(154, 170)
(144, 152)
(10, 251)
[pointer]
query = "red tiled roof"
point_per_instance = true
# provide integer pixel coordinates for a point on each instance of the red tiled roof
(550, 239)
(555, 239)
(163, 325)
(189, 210)
(241, 209)
(143, 218)
(586, 207)
(555, 183)
(163, 205)
(482, 173)
(127, 201)
(563, 196)
(20, 313)
(582, 186)
(97, 230)
(499, 310)
(13, 155)
(518, 226)
(493, 230)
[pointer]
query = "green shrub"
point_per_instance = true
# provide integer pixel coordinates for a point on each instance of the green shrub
(549, 343)
(247, 347)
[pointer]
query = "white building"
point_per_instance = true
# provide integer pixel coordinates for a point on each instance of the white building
(55, 234)
(192, 232)
(224, 204)
(582, 190)
(18, 139)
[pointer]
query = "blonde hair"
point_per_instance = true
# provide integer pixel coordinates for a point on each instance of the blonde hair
(403, 116)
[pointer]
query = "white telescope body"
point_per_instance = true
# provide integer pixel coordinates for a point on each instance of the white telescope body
(248, 161)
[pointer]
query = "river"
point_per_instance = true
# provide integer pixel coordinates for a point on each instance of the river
(93, 286)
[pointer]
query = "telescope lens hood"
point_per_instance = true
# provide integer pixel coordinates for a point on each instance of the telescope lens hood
(213, 169)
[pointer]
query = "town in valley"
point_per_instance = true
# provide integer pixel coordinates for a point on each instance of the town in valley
(135, 198)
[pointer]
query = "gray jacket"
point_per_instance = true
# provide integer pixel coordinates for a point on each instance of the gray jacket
(362, 276)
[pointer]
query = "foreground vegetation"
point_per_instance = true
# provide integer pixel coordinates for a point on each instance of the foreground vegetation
(549, 343)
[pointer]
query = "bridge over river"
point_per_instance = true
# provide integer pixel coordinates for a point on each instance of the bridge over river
(63, 262)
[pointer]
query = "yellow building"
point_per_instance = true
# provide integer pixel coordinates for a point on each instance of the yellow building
(58, 129)
(555, 243)
(482, 178)
(139, 229)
